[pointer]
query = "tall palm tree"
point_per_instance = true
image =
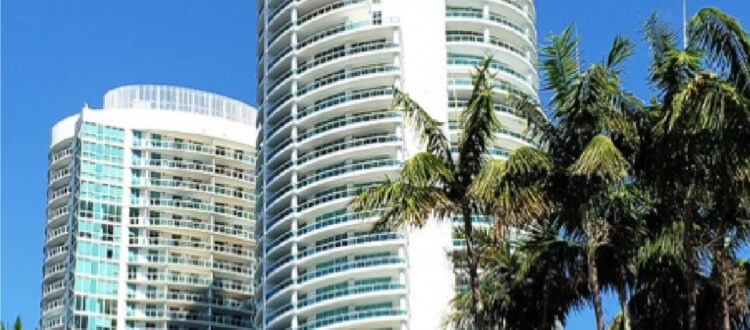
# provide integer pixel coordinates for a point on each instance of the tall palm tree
(583, 160)
(435, 182)
(695, 157)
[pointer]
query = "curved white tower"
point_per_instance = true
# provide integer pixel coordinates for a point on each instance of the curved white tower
(326, 71)
(151, 213)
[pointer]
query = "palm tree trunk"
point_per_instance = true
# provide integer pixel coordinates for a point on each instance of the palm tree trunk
(723, 263)
(622, 296)
(471, 260)
(688, 250)
(594, 287)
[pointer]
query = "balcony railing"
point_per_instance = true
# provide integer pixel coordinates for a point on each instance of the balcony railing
(346, 145)
(344, 98)
(351, 316)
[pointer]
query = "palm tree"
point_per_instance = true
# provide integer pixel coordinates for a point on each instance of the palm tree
(695, 159)
(435, 182)
(572, 179)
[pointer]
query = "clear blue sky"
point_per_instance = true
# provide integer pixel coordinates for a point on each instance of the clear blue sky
(56, 55)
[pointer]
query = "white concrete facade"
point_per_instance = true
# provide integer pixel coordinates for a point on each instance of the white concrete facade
(325, 77)
(151, 213)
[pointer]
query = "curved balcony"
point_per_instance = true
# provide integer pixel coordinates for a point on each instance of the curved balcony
(60, 158)
(54, 254)
(496, 84)
(306, 255)
(183, 185)
(526, 81)
(353, 292)
(519, 138)
(233, 286)
(53, 289)
(196, 206)
(325, 272)
(348, 168)
(57, 236)
(192, 226)
(338, 148)
(348, 121)
(195, 148)
(493, 19)
(57, 177)
(349, 77)
(353, 318)
(58, 196)
(351, 55)
(166, 164)
(330, 35)
(55, 216)
(477, 45)
(349, 99)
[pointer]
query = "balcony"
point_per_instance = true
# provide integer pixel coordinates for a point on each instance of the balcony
(353, 317)
(346, 145)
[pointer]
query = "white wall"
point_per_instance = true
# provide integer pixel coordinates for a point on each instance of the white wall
(424, 57)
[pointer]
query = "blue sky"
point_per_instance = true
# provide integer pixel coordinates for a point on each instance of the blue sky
(56, 55)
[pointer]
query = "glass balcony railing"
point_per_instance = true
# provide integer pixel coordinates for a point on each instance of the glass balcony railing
(279, 217)
(332, 31)
(281, 192)
(331, 196)
(494, 151)
(356, 264)
(461, 36)
(344, 169)
(501, 85)
(196, 166)
(272, 38)
(196, 148)
(280, 146)
(278, 287)
(351, 316)
(279, 124)
(354, 143)
(360, 289)
(359, 72)
(459, 104)
(356, 119)
(201, 187)
(276, 82)
(60, 155)
(493, 17)
(337, 219)
(351, 241)
(278, 9)
(344, 98)
(283, 53)
(453, 125)
(476, 61)
(278, 103)
(272, 315)
(166, 222)
(273, 174)
(325, 9)
(328, 56)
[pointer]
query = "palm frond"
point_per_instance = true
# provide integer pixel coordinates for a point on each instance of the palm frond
(430, 130)
(405, 204)
(602, 159)
(478, 122)
(621, 49)
(726, 42)
(560, 64)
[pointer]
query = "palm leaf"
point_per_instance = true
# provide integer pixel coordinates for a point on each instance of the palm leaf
(602, 159)
(430, 130)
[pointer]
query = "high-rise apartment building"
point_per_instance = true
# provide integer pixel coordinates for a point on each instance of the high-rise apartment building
(150, 214)
(326, 75)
